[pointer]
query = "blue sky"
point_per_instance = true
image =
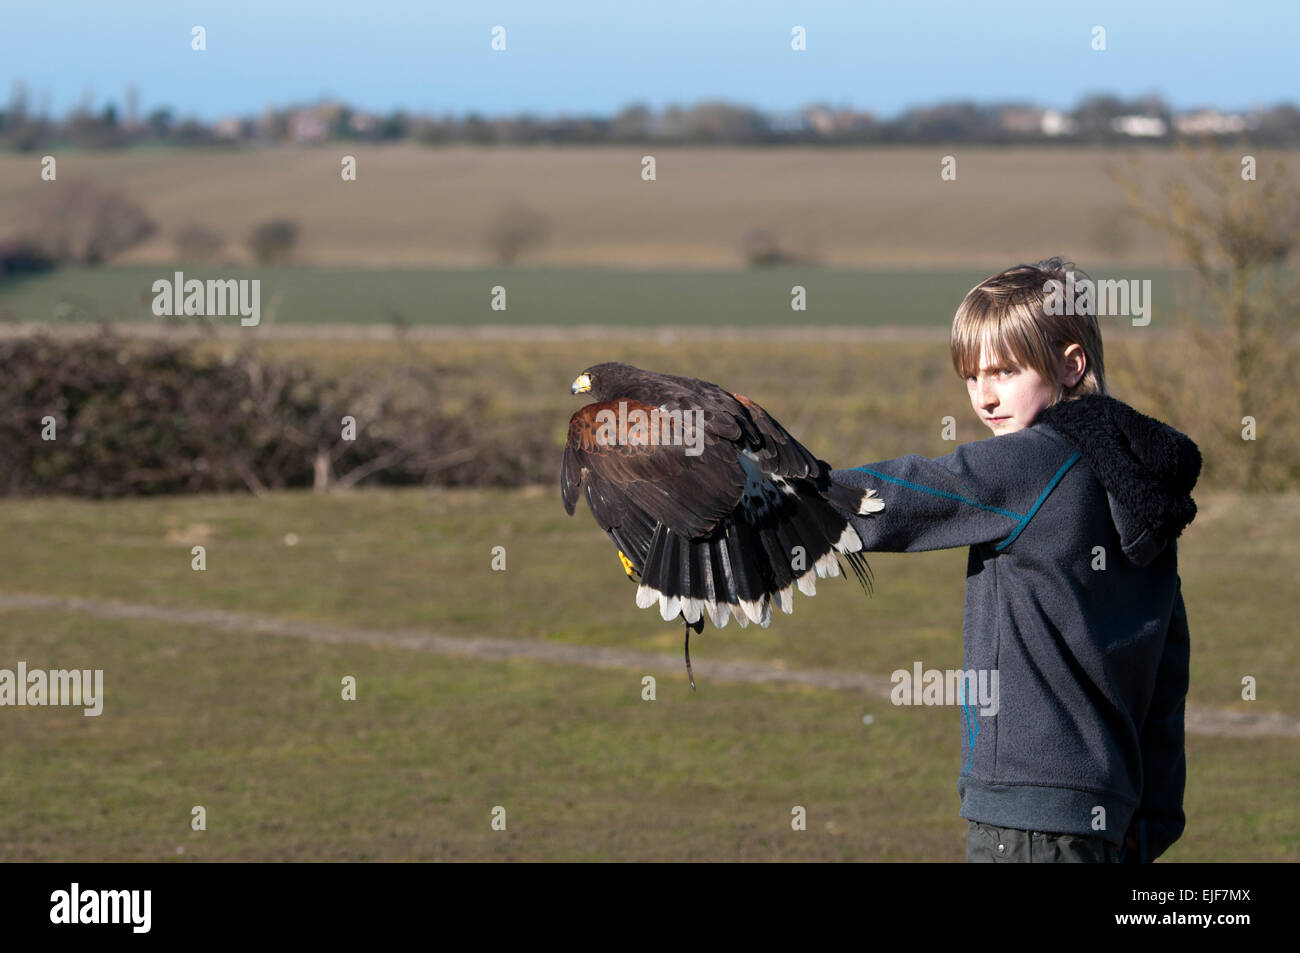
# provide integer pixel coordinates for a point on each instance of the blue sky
(581, 58)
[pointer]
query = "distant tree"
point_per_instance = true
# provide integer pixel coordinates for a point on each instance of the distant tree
(393, 126)
(27, 135)
(718, 121)
(524, 129)
(191, 132)
(160, 122)
(428, 131)
(20, 257)
(340, 126)
(82, 222)
(762, 248)
(633, 123)
(1236, 236)
(478, 130)
(272, 242)
(515, 230)
(90, 131)
(1278, 126)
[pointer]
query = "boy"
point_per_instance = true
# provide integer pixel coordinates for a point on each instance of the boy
(1072, 587)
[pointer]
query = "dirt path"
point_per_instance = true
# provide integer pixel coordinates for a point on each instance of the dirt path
(1200, 721)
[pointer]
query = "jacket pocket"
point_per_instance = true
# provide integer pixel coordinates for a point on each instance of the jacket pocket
(982, 843)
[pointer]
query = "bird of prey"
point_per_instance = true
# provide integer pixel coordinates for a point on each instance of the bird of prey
(713, 506)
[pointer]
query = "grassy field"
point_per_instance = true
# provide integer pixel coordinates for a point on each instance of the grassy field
(251, 726)
(849, 208)
(608, 298)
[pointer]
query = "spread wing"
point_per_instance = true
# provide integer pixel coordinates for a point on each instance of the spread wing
(634, 484)
(631, 486)
(714, 529)
(778, 452)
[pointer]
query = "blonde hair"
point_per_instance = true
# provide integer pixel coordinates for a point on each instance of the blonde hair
(1007, 310)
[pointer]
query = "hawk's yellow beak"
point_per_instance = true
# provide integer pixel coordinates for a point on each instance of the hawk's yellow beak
(581, 384)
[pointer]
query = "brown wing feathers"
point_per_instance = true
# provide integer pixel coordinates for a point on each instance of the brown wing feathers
(716, 533)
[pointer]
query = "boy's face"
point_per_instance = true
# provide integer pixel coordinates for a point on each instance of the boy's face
(1007, 397)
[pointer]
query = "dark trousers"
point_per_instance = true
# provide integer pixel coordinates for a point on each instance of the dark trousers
(1007, 845)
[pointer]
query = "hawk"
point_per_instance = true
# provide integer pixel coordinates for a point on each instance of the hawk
(713, 507)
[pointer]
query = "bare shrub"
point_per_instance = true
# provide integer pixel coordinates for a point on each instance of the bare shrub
(272, 242)
(517, 229)
(81, 222)
(761, 248)
(1238, 349)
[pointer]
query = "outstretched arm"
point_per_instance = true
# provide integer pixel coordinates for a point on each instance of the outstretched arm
(982, 492)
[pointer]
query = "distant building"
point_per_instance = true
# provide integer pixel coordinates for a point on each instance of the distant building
(1031, 121)
(313, 123)
(1024, 121)
(1209, 122)
(1056, 123)
(363, 124)
(270, 126)
(1147, 126)
(228, 128)
(788, 124)
(846, 120)
(305, 126)
(821, 120)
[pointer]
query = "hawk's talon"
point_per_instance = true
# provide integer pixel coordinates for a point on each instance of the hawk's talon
(627, 566)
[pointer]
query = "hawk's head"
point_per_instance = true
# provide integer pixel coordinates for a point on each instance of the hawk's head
(605, 381)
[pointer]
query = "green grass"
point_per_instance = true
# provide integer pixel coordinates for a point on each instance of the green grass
(536, 296)
(252, 728)
(390, 559)
(254, 731)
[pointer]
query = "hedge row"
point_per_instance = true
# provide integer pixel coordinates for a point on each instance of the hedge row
(110, 417)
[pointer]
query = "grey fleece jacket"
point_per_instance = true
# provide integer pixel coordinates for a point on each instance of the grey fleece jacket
(1092, 662)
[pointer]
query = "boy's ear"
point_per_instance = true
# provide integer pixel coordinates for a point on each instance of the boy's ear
(1075, 363)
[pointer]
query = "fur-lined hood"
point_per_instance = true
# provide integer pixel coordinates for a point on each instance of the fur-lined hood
(1147, 468)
